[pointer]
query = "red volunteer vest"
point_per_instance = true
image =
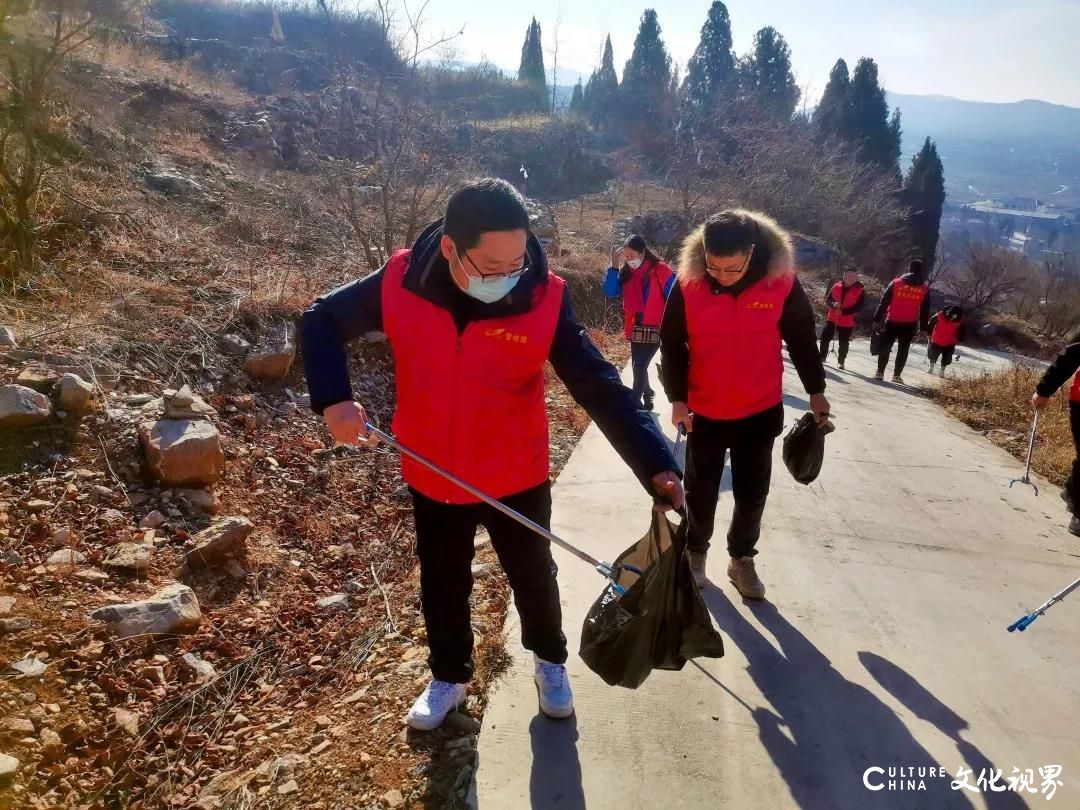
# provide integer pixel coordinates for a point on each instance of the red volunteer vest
(474, 403)
(1074, 392)
(835, 316)
(633, 295)
(906, 301)
(736, 369)
(945, 332)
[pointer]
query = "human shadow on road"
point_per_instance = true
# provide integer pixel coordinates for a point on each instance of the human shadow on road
(793, 401)
(905, 688)
(886, 383)
(823, 731)
(555, 780)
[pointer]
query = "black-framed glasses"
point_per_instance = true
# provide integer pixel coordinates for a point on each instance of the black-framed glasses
(487, 278)
(745, 264)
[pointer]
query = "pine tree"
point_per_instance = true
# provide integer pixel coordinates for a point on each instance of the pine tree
(577, 101)
(645, 100)
(602, 91)
(832, 117)
(766, 76)
(877, 138)
(712, 67)
(531, 71)
(924, 194)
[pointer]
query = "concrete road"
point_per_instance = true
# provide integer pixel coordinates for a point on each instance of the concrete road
(881, 642)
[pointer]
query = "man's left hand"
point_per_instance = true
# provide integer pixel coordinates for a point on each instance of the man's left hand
(819, 406)
(669, 489)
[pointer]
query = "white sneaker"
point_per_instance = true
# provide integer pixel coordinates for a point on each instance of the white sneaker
(437, 701)
(553, 687)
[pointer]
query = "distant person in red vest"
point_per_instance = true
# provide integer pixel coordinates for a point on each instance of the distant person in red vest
(1066, 365)
(644, 281)
(736, 301)
(844, 301)
(946, 330)
(472, 314)
(905, 308)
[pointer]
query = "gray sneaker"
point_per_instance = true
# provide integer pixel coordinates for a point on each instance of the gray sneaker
(697, 567)
(744, 577)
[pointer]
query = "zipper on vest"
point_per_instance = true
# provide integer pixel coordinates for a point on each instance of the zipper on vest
(454, 401)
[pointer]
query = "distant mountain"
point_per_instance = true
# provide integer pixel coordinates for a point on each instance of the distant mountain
(1022, 149)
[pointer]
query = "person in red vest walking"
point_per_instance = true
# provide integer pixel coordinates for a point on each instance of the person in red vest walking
(472, 314)
(644, 281)
(845, 299)
(905, 308)
(1066, 365)
(946, 330)
(735, 302)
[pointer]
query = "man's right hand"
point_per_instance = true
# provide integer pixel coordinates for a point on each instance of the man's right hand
(1038, 402)
(680, 415)
(348, 423)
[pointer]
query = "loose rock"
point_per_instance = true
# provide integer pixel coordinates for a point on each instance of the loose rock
(271, 359)
(174, 609)
(225, 537)
(183, 451)
(22, 407)
(152, 520)
(131, 557)
(202, 670)
(7, 337)
(339, 601)
(14, 624)
(183, 404)
(76, 394)
(8, 767)
(30, 667)
(65, 557)
(39, 377)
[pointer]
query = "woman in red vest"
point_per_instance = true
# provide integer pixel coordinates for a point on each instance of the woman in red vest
(905, 308)
(473, 314)
(844, 301)
(946, 330)
(1066, 365)
(644, 281)
(736, 301)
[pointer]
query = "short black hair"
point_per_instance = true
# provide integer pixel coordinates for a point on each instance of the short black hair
(487, 204)
(637, 242)
(730, 232)
(916, 266)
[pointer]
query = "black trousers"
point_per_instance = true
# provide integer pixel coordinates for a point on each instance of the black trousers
(641, 354)
(1072, 483)
(934, 351)
(901, 334)
(750, 443)
(827, 332)
(445, 534)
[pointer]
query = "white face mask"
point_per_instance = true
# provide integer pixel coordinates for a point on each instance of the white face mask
(634, 263)
(488, 292)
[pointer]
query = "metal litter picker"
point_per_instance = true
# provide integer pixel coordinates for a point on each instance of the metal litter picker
(605, 568)
(1026, 477)
(1022, 623)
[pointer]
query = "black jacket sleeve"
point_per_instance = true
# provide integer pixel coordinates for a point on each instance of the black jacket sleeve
(924, 311)
(594, 383)
(830, 299)
(797, 329)
(674, 348)
(932, 323)
(1063, 367)
(336, 318)
(883, 306)
(855, 307)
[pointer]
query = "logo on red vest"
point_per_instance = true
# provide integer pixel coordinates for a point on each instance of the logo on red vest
(503, 334)
(761, 305)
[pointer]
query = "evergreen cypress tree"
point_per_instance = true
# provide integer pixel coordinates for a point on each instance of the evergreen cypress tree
(602, 91)
(832, 117)
(577, 101)
(645, 100)
(877, 138)
(712, 67)
(766, 76)
(924, 193)
(531, 71)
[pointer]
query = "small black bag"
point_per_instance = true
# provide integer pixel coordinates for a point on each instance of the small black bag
(875, 341)
(659, 623)
(804, 448)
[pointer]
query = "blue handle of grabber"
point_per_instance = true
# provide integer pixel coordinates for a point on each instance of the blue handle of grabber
(1022, 623)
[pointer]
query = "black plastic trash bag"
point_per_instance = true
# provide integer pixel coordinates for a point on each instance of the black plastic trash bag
(804, 448)
(875, 341)
(659, 623)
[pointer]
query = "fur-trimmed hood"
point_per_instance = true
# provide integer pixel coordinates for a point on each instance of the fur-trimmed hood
(773, 247)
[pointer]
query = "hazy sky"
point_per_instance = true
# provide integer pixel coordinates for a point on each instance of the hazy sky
(984, 50)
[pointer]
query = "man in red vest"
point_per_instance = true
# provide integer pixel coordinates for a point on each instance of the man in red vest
(844, 301)
(1065, 365)
(472, 315)
(735, 303)
(905, 308)
(946, 330)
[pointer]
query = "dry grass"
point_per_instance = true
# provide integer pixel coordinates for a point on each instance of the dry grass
(535, 121)
(999, 404)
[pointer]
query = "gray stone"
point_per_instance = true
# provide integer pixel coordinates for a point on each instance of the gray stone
(62, 538)
(39, 377)
(272, 358)
(202, 670)
(202, 499)
(13, 624)
(234, 344)
(76, 395)
(8, 768)
(131, 557)
(7, 604)
(225, 537)
(339, 601)
(152, 520)
(65, 557)
(7, 337)
(138, 399)
(30, 667)
(183, 404)
(21, 406)
(183, 451)
(462, 722)
(92, 576)
(174, 609)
